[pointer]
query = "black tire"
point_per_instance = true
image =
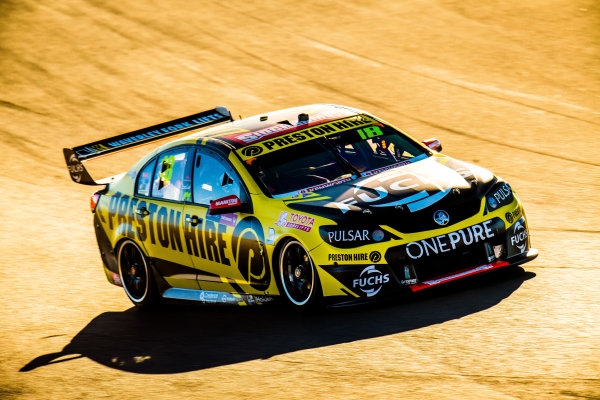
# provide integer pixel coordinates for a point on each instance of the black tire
(298, 277)
(136, 276)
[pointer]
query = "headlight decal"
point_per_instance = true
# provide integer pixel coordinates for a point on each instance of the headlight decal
(500, 195)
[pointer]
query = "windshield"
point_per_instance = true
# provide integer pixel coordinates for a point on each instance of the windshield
(341, 156)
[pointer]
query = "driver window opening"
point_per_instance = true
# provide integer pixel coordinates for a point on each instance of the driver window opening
(213, 180)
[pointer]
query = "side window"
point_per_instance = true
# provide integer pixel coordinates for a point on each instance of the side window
(172, 175)
(214, 178)
(144, 182)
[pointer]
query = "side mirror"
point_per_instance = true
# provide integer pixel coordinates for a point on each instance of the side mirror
(433, 144)
(227, 204)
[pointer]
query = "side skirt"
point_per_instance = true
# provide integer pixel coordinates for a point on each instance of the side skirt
(213, 297)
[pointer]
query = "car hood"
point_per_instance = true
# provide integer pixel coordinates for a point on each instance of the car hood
(404, 197)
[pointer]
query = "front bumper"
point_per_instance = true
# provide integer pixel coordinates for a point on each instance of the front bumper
(415, 266)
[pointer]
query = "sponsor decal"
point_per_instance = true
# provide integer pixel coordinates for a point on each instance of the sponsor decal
(251, 151)
(493, 203)
(167, 129)
(519, 236)
(225, 219)
(207, 239)
(447, 242)
(512, 216)
(375, 257)
(349, 235)
(370, 281)
(346, 237)
(500, 197)
(295, 221)
(149, 134)
(227, 201)
(502, 193)
(408, 281)
(509, 217)
(441, 217)
(378, 170)
(417, 191)
(263, 299)
(300, 136)
(229, 298)
(209, 297)
(252, 299)
(325, 185)
(349, 257)
(378, 235)
(75, 168)
(280, 128)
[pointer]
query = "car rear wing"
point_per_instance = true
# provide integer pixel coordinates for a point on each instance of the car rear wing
(75, 156)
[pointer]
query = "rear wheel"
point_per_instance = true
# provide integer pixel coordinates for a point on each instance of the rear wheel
(298, 276)
(136, 276)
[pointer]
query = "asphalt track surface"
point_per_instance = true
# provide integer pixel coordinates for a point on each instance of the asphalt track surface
(513, 86)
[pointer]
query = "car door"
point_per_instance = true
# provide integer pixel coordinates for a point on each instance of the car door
(164, 184)
(228, 248)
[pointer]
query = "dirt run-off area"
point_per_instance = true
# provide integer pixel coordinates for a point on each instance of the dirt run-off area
(513, 86)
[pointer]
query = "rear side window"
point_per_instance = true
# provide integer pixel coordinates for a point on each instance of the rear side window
(144, 183)
(172, 180)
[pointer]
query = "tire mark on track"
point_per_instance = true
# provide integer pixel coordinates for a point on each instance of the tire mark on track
(569, 230)
(460, 374)
(17, 107)
(499, 143)
(373, 61)
(223, 50)
(24, 145)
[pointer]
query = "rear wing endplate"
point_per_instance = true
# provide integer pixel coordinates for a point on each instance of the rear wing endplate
(75, 156)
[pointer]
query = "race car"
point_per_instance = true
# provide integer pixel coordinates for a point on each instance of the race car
(319, 205)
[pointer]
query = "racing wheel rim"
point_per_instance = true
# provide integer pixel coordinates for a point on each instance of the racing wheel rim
(134, 271)
(297, 273)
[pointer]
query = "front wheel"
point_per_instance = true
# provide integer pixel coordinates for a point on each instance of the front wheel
(136, 276)
(298, 276)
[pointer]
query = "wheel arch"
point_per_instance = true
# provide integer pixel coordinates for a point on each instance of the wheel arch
(281, 244)
(158, 279)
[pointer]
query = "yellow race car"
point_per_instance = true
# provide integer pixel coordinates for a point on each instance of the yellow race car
(320, 205)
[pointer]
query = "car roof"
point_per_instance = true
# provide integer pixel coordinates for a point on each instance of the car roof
(239, 133)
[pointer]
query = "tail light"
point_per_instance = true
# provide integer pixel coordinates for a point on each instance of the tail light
(94, 201)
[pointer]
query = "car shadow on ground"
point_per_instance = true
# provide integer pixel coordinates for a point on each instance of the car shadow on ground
(180, 338)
